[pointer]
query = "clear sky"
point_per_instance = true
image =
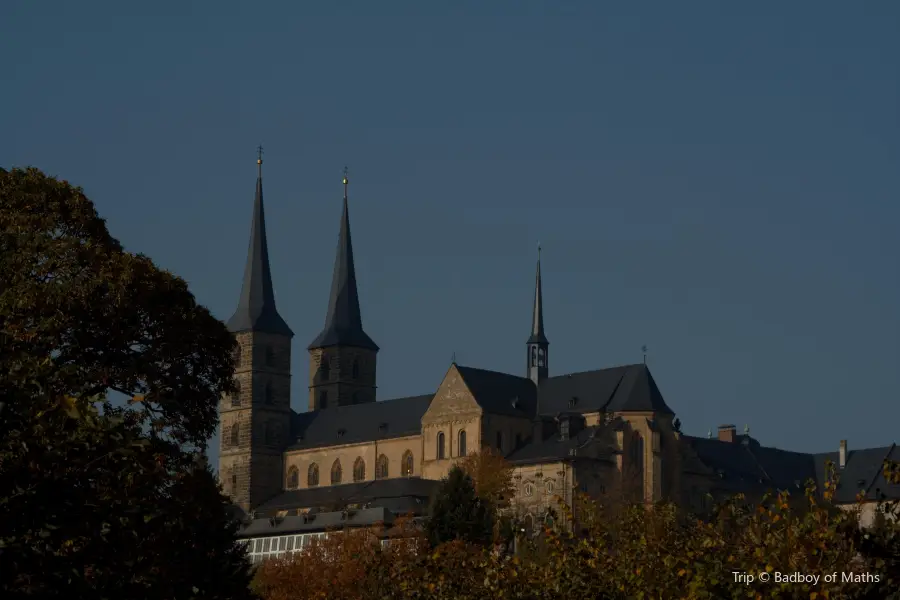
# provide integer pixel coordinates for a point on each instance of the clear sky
(718, 181)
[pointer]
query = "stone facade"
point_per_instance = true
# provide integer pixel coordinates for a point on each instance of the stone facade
(340, 376)
(256, 419)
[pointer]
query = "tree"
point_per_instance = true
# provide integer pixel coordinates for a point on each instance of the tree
(492, 476)
(457, 513)
(80, 316)
(102, 500)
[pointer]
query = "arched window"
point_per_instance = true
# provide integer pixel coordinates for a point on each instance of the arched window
(381, 467)
(355, 368)
(269, 394)
(293, 479)
(236, 395)
(440, 445)
(637, 452)
(499, 440)
(336, 472)
(312, 475)
(534, 356)
(541, 357)
(408, 464)
(270, 356)
(234, 488)
(235, 434)
(529, 490)
(324, 369)
(462, 442)
(323, 399)
(359, 469)
(549, 488)
(236, 356)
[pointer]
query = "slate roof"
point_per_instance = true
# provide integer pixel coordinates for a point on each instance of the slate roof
(265, 527)
(343, 321)
(862, 472)
(354, 423)
(555, 448)
(622, 389)
(500, 393)
(396, 492)
(256, 307)
(747, 465)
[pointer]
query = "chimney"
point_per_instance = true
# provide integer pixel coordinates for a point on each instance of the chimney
(727, 433)
(842, 454)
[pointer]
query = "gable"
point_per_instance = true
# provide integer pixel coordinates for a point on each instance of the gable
(452, 399)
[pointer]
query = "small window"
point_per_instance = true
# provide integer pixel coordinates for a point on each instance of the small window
(550, 487)
(324, 370)
(359, 469)
(270, 356)
(234, 489)
(462, 442)
(381, 467)
(336, 472)
(235, 434)
(499, 441)
(533, 356)
(312, 475)
(440, 445)
(529, 490)
(236, 395)
(541, 358)
(355, 368)
(236, 356)
(323, 399)
(408, 464)
(293, 478)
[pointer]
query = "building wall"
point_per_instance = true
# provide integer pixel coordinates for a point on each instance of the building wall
(513, 431)
(342, 385)
(453, 409)
(393, 449)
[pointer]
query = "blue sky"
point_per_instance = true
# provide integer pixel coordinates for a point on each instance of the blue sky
(718, 181)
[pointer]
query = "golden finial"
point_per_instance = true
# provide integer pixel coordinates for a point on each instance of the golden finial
(259, 153)
(346, 181)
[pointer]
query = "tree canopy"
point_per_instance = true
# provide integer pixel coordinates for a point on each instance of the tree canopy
(101, 499)
(457, 513)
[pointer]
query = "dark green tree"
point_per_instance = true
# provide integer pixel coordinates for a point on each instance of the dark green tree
(101, 499)
(457, 513)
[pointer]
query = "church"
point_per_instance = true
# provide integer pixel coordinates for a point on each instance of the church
(603, 432)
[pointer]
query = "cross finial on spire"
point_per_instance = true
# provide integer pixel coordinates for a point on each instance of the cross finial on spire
(346, 182)
(259, 153)
(644, 350)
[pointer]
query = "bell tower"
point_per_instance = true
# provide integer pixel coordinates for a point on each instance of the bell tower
(537, 344)
(255, 420)
(342, 358)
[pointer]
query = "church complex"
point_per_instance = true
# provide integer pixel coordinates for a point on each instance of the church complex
(603, 432)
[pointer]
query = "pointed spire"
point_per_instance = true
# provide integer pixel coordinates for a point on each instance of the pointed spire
(256, 307)
(343, 322)
(537, 318)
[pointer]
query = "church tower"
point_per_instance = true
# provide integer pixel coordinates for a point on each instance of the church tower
(537, 343)
(256, 419)
(342, 357)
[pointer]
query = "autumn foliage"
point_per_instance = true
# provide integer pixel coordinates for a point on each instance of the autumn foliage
(638, 552)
